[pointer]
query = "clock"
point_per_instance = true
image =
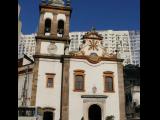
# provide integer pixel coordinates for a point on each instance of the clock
(52, 48)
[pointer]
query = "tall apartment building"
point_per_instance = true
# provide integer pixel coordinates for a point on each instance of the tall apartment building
(19, 22)
(26, 45)
(112, 40)
(135, 46)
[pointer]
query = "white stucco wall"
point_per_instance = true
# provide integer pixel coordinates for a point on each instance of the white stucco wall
(93, 77)
(44, 47)
(49, 97)
(136, 94)
(61, 17)
(48, 15)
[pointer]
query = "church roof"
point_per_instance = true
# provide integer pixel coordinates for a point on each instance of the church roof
(24, 58)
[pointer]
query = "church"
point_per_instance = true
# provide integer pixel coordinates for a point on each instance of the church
(69, 85)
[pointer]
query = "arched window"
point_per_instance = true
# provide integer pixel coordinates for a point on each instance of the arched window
(60, 29)
(47, 28)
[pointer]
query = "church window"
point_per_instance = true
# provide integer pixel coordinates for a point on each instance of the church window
(60, 29)
(79, 80)
(47, 26)
(50, 80)
(108, 81)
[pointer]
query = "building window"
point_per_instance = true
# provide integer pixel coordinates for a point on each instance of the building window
(108, 81)
(79, 80)
(50, 80)
(60, 29)
(47, 26)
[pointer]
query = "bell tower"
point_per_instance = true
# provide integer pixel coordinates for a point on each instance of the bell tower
(53, 30)
(52, 44)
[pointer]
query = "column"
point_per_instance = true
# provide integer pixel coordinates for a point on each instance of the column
(54, 26)
(34, 82)
(41, 24)
(65, 90)
(66, 27)
(121, 91)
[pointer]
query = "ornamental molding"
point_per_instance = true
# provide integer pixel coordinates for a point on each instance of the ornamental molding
(93, 59)
(92, 35)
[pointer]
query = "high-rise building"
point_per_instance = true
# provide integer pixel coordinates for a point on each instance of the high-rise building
(112, 40)
(19, 22)
(135, 46)
(26, 45)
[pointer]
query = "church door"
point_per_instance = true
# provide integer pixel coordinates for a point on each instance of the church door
(48, 116)
(94, 112)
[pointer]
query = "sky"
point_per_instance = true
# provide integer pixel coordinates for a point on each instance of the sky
(101, 14)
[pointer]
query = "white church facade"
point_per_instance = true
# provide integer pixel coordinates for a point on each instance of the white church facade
(83, 85)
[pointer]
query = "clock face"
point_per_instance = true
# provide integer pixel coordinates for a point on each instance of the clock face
(52, 48)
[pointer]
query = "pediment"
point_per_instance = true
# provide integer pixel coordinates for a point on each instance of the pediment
(92, 35)
(92, 49)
